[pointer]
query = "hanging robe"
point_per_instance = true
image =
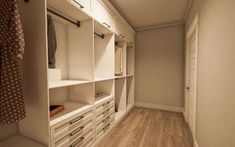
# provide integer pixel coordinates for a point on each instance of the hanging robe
(12, 107)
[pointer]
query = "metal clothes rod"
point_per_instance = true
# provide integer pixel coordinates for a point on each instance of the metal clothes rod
(99, 35)
(63, 17)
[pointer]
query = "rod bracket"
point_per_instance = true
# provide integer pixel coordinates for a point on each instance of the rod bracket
(27, 1)
(78, 23)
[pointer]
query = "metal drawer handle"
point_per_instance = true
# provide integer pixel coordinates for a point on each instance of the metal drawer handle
(106, 103)
(106, 126)
(76, 131)
(106, 119)
(77, 142)
(106, 24)
(81, 6)
(121, 35)
(76, 120)
(106, 111)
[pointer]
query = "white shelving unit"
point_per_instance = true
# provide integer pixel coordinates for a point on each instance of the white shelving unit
(85, 60)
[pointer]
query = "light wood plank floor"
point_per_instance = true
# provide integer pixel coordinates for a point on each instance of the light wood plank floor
(149, 128)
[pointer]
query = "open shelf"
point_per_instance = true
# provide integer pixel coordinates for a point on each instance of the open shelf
(19, 141)
(71, 108)
(120, 94)
(65, 83)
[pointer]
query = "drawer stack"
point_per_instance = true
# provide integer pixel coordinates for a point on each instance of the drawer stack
(104, 119)
(74, 131)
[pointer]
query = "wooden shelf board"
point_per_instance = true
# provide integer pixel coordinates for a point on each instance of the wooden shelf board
(19, 141)
(65, 83)
(129, 76)
(102, 98)
(68, 9)
(71, 108)
(97, 79)
(119, 77)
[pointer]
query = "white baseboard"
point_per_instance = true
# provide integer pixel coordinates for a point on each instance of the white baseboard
(159, 107)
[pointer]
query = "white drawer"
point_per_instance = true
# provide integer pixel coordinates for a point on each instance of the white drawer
(103, 117)
(104, 129)
(103, 106)
(102, 124)
(66, 126)
(84, 5)
(73, 140)
(105, 112)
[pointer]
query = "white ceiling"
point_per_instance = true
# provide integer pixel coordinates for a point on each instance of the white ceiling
(147, 13)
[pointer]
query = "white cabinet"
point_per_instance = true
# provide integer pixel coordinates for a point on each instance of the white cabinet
(102, 14)
(130, 35)
(84, 5)
(119, 27)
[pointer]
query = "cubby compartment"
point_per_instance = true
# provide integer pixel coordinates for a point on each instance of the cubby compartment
(130, 57)
(104, 54)
(120, 97)
(120, 57)
(74, 52)
(73, 98)
(104, 90)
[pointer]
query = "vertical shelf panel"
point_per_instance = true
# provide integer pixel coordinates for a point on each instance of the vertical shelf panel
(36, 123)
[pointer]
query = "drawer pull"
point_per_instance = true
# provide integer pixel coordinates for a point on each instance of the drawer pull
(106, 126)
(77, 142)
(76, 120)
(106, 24)
(76, 131)
(106, 119)
(81, 6)
(106, 111)
(106, 103)
(122, 36)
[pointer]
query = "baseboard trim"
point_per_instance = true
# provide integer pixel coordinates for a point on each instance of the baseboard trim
(159, 107)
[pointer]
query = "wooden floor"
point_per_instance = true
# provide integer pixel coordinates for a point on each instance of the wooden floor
(149, 128)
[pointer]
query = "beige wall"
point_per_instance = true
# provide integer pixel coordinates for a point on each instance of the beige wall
(159, 66)
(216, 72)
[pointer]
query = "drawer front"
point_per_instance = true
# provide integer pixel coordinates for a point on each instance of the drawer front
(84, 5)
(105, 112)
(104, 103)
(65, 127)
(102, 14)
(104, 107)
(103, 123)
(74, 140)
(104, 129)
(101, 118)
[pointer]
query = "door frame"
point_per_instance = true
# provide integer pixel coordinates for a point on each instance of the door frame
(193, 29)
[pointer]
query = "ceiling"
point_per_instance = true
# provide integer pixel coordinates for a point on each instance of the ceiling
(147, 13)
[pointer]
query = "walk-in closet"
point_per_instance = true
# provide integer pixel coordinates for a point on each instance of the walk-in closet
(77, 84)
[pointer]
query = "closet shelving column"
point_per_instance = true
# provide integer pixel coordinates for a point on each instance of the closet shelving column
(74, 89)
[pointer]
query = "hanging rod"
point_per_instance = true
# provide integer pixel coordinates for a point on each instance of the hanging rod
(77, 23)
(99, 35)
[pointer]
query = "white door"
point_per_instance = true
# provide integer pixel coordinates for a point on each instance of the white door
(191, 75)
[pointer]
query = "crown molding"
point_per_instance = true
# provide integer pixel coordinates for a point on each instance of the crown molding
(158, 26)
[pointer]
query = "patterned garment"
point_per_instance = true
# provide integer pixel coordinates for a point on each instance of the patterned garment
(12, 107)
